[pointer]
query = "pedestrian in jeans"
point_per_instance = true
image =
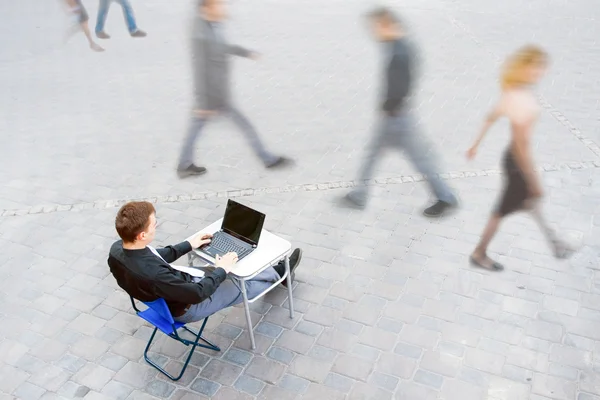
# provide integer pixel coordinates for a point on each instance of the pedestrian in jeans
(211, 53)
(398, 127)
(103, 7)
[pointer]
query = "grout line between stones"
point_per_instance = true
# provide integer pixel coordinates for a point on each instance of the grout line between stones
(306, 187)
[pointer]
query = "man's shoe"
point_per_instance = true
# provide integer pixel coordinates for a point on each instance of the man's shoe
(294, 260)
(438, 209)
(354, 200)
(138, 33)
(191, 170)
(102, 35)
(279, 163)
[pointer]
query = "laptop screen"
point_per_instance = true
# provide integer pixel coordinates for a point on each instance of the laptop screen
(243, 222)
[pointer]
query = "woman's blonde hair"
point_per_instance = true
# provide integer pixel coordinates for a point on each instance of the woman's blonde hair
(514, 73)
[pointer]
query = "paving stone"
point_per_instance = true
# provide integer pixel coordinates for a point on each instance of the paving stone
(221, 372)
(570, 356)
(353, 367)
(226, 393)
(205, 387)
(323, 354)
(28, 391)
(459, 390)
(116, 390)
(113, 362)
(274, 392)
(281, 355)
(228, 331)
(294, 384)
(552, 387)
(441, 363)
(337, 340)
(429, 379)
(418, 336)
(408, 350)
(384, 381)
(135, 375)
(160, 389)
(315, 391)
(379, 338)
(73, 390)
(269, 329)
(339, 382)
(308, 368)
(51, 378)
(309, 328)
(237, 356)
(410, 390)
(396, 365)
(295, 341)
(484, 361)
(265, 370)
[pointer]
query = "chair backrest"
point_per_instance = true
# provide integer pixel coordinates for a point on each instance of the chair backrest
(159, 315)
(161, 308)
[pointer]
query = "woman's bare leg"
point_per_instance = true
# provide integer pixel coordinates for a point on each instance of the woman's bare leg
(479, 255)
(560, 249)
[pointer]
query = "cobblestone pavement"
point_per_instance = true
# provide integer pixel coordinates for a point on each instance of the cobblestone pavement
(387, 306)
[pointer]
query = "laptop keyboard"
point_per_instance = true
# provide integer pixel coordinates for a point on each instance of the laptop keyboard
(222, 243)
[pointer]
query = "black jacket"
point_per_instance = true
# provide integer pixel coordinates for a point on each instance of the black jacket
(146, 277)
(399, 76)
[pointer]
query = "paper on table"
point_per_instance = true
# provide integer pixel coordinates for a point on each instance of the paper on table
(192, 271)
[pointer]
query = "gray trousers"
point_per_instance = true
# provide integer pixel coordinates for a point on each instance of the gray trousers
(196, 124)
(229, 294)
(401, 132)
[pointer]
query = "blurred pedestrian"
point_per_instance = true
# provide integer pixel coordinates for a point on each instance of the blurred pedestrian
(211, 70)
(523, 188)
(103, 8)
(81, 18)
(398, 127)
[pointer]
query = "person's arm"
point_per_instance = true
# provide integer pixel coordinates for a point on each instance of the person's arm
(171, 288)
(172, 253)
(239, 51)
(398, 83)
(491, 119)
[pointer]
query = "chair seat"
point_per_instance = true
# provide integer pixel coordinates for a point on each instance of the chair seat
(158, 321)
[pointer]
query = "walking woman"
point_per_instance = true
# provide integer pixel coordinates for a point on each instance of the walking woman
(523, 188)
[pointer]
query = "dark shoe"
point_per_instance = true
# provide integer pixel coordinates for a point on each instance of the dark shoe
(561, 250)
(438, 209)
(191, 170)
(138, 33)
(102, 35)
(279, 163)
(354, 200)
(295, 258)
(487, 263)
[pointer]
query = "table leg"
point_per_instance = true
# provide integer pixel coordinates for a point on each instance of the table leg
(289, 286)
(247, 311)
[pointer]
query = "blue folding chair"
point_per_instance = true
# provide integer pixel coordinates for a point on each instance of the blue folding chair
(159, 315)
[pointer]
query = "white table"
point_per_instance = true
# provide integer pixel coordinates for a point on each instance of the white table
(270, 250)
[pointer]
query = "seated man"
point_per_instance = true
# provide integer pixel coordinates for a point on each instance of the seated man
(145, 273)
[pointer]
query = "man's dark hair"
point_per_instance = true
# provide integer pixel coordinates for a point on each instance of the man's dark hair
(132, 219)
(384, 14)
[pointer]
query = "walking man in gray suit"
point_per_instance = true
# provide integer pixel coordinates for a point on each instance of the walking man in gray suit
(211, 71)
(398, 127)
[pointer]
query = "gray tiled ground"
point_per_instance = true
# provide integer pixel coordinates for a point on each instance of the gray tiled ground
(387, 307)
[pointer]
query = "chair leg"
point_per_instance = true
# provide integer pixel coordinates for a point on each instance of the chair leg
(209, 345)
(154, 364)
(194, 344)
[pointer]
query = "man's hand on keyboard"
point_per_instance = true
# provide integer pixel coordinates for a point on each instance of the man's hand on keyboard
(200, 240)
(227, 261)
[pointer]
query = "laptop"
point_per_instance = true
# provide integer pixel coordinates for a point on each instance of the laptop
(240, 232)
